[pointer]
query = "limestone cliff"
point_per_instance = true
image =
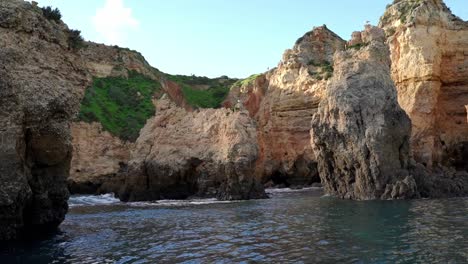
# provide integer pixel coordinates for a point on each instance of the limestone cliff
(360, 134)
(207, 153)
(42, 80)
(103, 61)
(99, 156)
(98, 159)
(429, 53)
(283, 100)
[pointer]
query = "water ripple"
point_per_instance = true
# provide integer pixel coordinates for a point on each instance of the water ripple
(297, 227)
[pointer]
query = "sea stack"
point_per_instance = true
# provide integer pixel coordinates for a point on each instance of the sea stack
(360, 134)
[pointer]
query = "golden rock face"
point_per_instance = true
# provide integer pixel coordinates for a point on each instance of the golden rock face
(429, 54)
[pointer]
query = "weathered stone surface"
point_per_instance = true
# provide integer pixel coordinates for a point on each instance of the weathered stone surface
(360, 135)
(41, 83)
(430, 68)
(207, 153)
(98, 160)
(283, 100)
(104, 61)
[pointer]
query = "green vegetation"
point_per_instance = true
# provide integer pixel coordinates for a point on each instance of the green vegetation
(325, 70)
(247, 81)
(52, 14)
(203, 92)
(390, 32)
(357, 46)
(121, 105)
(405, 8)
(75, 39)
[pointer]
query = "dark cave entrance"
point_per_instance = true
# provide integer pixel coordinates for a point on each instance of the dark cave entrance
(304, 173)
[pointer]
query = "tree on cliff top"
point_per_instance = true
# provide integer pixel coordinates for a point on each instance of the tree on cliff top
(52, 13)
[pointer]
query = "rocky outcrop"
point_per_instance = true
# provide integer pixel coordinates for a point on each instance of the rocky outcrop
(207, 153)
(104, 61)
(41, 83)
(429, 53)
(360, 135)
(99, 159)
(283, 101)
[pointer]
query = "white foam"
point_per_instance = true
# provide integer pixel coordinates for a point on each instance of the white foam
(109, 199)
(289, 190)
(88, 200)
(171, 203)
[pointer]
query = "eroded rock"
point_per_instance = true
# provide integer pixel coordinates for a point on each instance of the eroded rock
(429, 53)
(99, 159)
(41, 84)
(360, 135)
(283, 100)
(207, 153)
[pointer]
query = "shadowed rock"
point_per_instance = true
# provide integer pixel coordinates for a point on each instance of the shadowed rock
(40, 88)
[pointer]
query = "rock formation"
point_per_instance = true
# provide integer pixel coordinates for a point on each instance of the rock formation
(99, 159)
(283, 100)
(429, 53)
(98, 156)
(360, 134)
(103, 61)
(207, 153)
(41, 84)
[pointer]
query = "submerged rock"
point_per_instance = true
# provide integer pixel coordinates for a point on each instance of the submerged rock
(207, 153)
(360, 135)
(41, 83)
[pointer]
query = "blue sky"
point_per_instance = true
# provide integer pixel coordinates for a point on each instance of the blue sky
(217, 37)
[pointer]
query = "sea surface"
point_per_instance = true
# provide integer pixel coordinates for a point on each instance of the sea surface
(291, 227)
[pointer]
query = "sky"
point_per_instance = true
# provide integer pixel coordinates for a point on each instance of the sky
(217, 37)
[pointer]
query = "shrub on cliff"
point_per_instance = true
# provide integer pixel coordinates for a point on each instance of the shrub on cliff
(52, 14)
(244, 82)
(75, 39)
(121, 105)
(203, 92)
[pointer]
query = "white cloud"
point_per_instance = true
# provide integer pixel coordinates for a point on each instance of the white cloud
(113, 21)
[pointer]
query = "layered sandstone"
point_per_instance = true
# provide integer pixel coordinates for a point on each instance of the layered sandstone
(207, 153)
(42, 80)
(429, 53)
(283, 100)
(360, 135)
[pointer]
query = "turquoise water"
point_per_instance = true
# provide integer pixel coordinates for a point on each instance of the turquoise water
(291, 227)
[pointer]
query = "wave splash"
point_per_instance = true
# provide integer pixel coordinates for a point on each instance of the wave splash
(110, 199)
(88, 200)
(289, 190)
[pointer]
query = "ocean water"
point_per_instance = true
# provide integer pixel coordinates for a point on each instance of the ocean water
(291, 227)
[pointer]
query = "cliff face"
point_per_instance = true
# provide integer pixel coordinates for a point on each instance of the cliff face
(283, 101)
(207, 153)
(429, 53)
(98, 159)
(360, 134)
(103, 61)
(41, 84)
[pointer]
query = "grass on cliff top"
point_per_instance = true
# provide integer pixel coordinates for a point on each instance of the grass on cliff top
(121, 105)
(246, 81)
(211, 96)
